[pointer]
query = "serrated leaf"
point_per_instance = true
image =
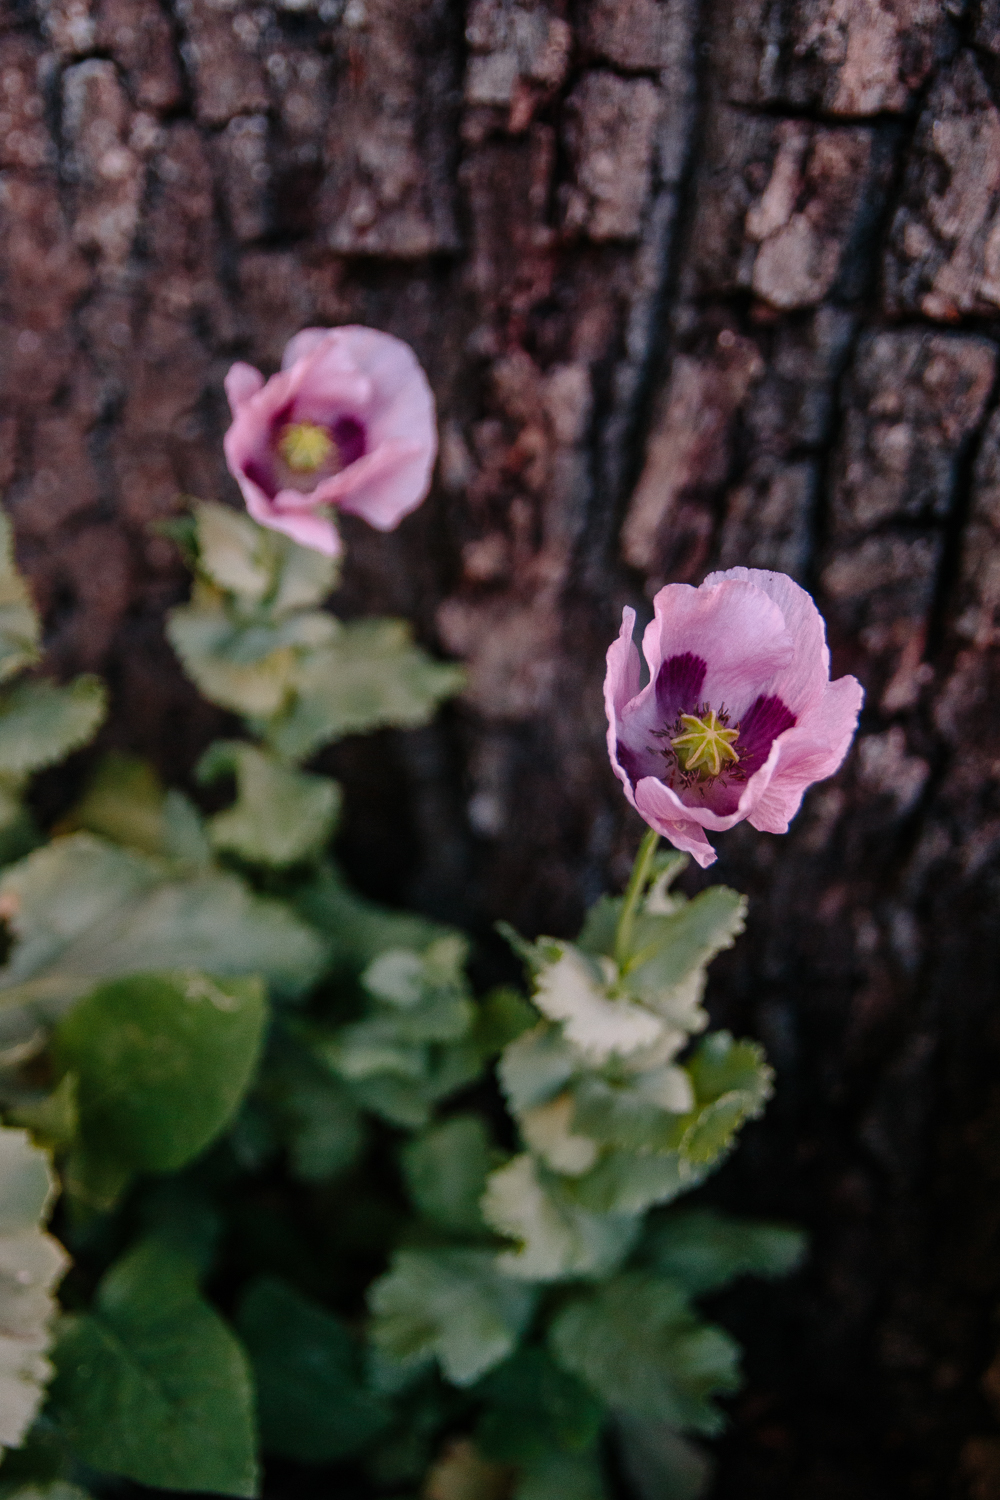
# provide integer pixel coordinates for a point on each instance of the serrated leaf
(572, 991)
(162, 1062)
(152, 1385)
(446, 1169)
(233, 550)
(123, 802)
(249, 676)
(281, 815)
(41, 722)
(370, 676)
(535, 1067)
(451, 1305)
(629, 1182)
(669, 951)
(556, 1238)
(83, 911)
(721, 1066)
(31, 1265)
(254, 563)
(20, 627)
(311, 1402)
(705, 1250)
(641, 1347)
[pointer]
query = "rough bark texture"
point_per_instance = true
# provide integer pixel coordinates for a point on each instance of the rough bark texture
(697, 283)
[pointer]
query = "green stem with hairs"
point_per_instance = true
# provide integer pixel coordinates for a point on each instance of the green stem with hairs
(633, 895)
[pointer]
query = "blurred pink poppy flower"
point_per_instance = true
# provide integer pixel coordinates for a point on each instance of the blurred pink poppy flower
(739, 715)
(347, 424)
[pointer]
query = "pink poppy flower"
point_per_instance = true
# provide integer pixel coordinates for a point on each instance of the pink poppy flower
(739, 715)
(347, 424)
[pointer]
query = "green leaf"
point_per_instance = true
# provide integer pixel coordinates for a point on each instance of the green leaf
(311, 1402)
(571, 1476)
(123, 802)
(241, 665)
(640, 1346)
(556, 1238)
(85, 911)
(20, 628)
(254, 563)
(152, 1385)
(369, 676)
(535, 1067)
(534, 1409)
(281, 816)
(732, 1083)
(162, 1062)
(629, 1182)
(705, 1250)
(314, 1114)
(357, 929)
(446, 1169)
(451, 1305)
(572, 990)
(233, 550)
(31, 1264)
(41, 722)
(659, 1462)
(669, 952)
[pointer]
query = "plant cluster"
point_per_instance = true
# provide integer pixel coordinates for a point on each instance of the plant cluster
(324, 1203)
(321, 1202)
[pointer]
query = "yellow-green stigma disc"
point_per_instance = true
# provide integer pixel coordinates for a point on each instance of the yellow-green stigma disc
(705, 745)
(305, 446)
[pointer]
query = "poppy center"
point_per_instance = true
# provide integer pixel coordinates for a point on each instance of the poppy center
(705, 744)
(306, 447)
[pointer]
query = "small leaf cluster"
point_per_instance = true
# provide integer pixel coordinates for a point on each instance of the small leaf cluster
(40, 721)
(326, 1204)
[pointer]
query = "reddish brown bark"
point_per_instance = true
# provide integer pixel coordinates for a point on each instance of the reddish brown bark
(696, 284)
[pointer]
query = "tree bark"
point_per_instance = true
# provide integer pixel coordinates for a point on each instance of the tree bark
(697, 283)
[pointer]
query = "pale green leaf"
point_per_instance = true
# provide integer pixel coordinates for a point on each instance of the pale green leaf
(572, 990)
(311, 1402)
(83, 911)
(451, 1305)
(31, 1264)
(153, 1386)
(40, 722)
(641, 1347)
(249, 676)
(162, 1062)
(629, 1182)
(668, 952)
(20, 628)
(370, 676)
(535, 1067)
(555, 1237)
(233, 550)
(281, 816)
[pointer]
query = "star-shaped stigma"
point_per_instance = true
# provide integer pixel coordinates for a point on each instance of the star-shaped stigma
(705, 744)
(305, 446)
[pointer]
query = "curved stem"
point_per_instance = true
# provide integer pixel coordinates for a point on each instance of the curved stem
(633, 894)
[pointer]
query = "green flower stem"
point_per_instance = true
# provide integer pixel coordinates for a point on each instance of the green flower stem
(633, 894)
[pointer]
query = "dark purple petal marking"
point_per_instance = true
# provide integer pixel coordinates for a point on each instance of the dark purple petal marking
(631, 763)
(760, 726)
(262, 476)
(350, 438)
(678, 684)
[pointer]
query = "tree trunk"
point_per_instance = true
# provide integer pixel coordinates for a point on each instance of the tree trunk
(696, 286)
